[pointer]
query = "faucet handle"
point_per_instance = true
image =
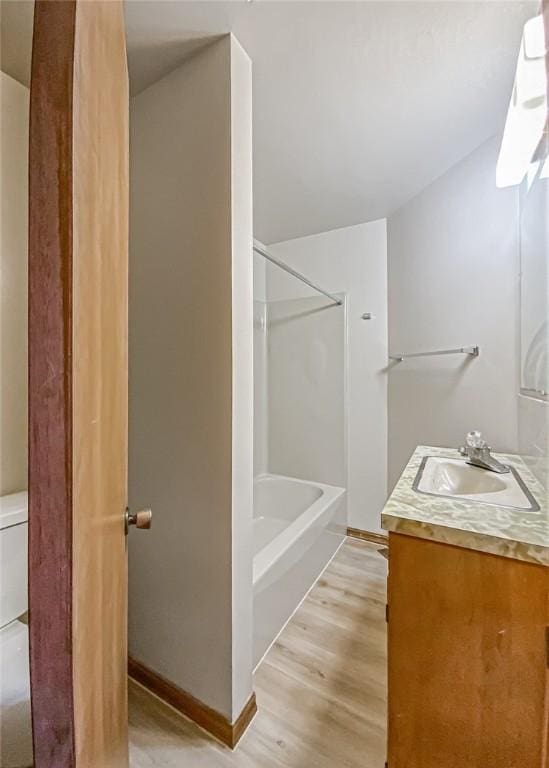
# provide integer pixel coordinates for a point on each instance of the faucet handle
(474, 439)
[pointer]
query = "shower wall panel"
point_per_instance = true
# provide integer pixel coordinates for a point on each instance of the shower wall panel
(306, 385)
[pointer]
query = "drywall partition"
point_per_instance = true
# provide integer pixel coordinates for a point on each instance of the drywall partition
(242, 289)
(351, 261)
(260, 367)
(453, 276)
(14, 99)
(191, 377)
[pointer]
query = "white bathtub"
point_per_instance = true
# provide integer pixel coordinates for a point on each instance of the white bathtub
(298, 527)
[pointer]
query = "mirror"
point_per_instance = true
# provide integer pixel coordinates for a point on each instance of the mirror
(534, 278)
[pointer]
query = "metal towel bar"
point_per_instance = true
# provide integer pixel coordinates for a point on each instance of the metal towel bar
(472, 351)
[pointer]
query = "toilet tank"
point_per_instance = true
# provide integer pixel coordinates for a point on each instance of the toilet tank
(13, 556)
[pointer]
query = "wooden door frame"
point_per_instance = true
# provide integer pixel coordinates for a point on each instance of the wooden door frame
(50, 383)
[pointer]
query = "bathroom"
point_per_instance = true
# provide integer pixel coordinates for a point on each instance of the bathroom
(315, 292)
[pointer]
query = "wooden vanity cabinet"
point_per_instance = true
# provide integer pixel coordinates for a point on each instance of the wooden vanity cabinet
(467, 644)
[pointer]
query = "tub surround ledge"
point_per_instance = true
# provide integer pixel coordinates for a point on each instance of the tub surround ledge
(298, 527)
(519, 534)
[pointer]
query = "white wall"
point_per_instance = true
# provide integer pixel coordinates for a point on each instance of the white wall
(240, 266)
(260, 366)
(191, 376)
(453, 275)
(352, 261)
(14, 100)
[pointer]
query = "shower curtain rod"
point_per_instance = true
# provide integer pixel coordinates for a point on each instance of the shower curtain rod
(258, 248)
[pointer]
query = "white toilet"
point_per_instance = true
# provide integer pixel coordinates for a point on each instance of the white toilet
(15, 713)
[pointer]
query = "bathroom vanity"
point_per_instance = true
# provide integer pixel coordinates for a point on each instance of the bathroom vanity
(468, 616)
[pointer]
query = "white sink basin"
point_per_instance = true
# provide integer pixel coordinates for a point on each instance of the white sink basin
(455, 479)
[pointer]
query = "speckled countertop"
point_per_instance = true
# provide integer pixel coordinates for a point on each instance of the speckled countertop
(517, 533)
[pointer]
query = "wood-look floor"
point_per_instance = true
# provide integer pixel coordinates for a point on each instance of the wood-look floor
(321, 689)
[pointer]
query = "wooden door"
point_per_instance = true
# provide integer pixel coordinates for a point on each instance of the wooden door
(78, 264)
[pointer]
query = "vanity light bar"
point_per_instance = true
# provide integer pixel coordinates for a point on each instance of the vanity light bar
(472, 351)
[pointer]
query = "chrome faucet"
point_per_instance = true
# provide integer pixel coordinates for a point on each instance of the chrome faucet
(478, 454)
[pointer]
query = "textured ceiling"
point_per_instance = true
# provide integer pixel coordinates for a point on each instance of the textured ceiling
(357, 106)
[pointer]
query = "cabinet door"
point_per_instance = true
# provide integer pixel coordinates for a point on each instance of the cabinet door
(467, 658)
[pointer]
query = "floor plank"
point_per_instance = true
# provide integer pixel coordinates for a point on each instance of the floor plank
(321, 689)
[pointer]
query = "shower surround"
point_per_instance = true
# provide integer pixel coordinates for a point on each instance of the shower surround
(300, 514)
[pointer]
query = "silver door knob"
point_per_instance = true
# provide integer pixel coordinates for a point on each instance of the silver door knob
(141, 519)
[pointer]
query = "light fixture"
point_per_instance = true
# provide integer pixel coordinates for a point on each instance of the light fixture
(527, 114)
